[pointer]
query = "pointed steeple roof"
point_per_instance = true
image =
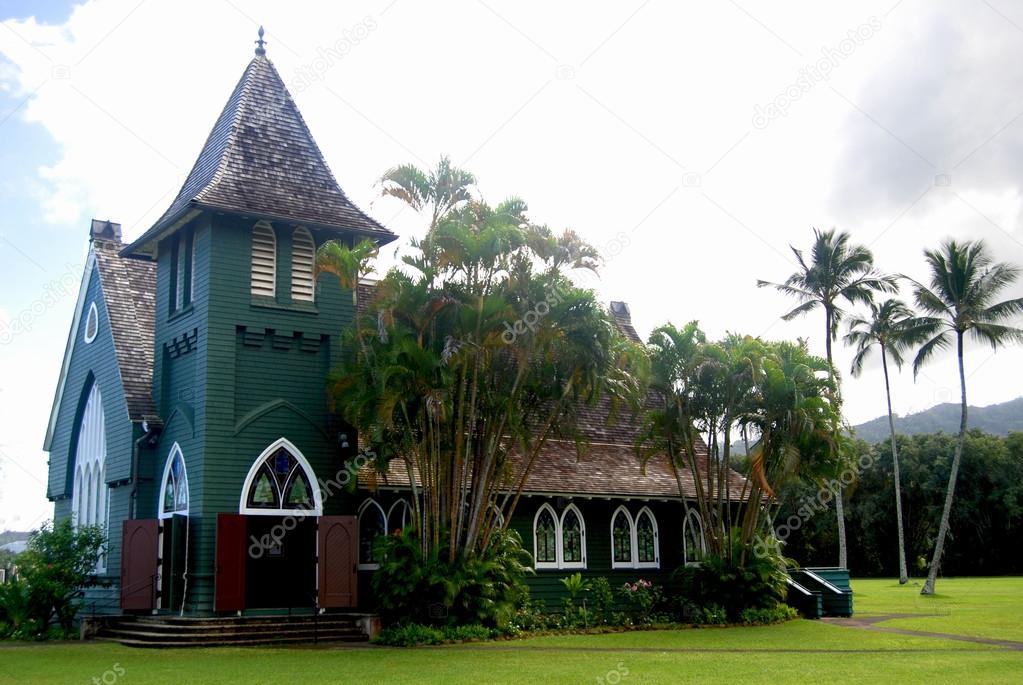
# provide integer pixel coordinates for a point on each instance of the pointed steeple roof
(261, 160)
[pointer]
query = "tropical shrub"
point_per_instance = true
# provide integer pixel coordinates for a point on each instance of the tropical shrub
(766, 616)
(413, 634)
(603, 600)
(428, 589)
(640, 599)
(575, 613)
(59, 563)
(743, 580)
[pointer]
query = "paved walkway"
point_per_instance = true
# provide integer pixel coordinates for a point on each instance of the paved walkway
(870, 623)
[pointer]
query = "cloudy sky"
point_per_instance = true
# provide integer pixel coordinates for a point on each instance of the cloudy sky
(693, 142)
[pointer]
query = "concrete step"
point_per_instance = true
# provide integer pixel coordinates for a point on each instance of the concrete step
(176, 631)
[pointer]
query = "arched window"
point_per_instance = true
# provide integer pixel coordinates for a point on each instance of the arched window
(281, 481)
(545, 538)
(647, 547)
(303, 256)
(573, 539)
(621, 539)
(264, 260)
(174, 491)
(89, 493)
(372, 522)
(399, 516)
(692, 534)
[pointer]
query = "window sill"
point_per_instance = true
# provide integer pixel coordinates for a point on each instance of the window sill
(368, 567)
(180, 313)
(259, 302)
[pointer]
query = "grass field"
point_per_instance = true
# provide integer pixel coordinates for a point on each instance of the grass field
(796, 652)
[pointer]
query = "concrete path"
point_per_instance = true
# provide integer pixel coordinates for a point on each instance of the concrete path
(870, 623)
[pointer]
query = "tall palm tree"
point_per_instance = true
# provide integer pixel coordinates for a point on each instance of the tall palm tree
(835, 271)
(890, 327)
(963, 285)
(434, 191)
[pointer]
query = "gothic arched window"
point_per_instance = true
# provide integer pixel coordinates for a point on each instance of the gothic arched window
(573, 539)
(174, 491)
(372, 524)
(621, 539)
(545, 538)
(281, 481)
(692, 534)
(647, 548)
(89, 491)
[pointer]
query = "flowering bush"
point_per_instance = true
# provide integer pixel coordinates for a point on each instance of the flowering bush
(640, 599)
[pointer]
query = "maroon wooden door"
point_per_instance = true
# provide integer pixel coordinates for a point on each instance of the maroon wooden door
(337, 545)
(229, 584)
(140, 556)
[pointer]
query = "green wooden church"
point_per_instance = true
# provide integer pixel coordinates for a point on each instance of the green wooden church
(191, 419)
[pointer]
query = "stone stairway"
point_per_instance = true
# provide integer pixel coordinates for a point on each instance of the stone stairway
(174, 631)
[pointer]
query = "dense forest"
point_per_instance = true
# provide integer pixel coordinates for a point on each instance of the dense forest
(986, 519)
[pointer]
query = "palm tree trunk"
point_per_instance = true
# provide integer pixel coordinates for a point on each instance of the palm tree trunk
(903, 577)
(939, 547)
(839, 503)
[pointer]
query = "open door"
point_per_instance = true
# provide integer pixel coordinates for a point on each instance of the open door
(337, 546)
(140, 555)
(229, 584)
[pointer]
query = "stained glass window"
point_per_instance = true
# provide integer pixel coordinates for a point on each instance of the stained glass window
(281, 483)
(371, 526)
(175, 485)
(646, 538)
(546, 537)
(621, 537)
(572, 538)
(693, 534)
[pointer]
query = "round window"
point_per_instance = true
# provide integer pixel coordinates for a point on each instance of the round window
(91, 323)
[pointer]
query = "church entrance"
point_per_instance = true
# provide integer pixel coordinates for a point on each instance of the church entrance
(279, 551)
(281, 566)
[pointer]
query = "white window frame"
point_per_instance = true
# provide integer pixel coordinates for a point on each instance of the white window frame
(369, 503)
(561, 538)
(694, 515)
(90, 495)
(396, 508)
(557, 538)
(314, 484)
(91, 317)
(632, 538)
(175, 450)
(300, 295)
(262, 226)
(656, 563)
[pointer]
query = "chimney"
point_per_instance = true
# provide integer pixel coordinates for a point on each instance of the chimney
(621, 311)
(105, 230)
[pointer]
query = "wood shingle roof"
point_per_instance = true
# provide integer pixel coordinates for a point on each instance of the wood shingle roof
(261, 160)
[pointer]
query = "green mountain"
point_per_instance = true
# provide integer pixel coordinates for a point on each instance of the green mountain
(997, 419)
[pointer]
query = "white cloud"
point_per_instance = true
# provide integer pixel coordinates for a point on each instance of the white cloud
(609, 120)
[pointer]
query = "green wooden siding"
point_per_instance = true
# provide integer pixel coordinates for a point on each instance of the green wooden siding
(90, 363)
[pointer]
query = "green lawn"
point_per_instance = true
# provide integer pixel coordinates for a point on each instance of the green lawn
(978, 607)
(984, 607)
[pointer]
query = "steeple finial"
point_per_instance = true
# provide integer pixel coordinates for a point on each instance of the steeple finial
(260, 49)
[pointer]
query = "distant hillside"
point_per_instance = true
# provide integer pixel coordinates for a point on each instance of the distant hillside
(998, 419)
(13, 536)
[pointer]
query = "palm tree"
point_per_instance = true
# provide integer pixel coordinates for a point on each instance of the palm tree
(435, 191)
(836, 271)
(890, 327)
(964, 282)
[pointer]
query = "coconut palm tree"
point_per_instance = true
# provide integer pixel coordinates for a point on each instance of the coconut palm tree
(964, 283)
(890, 327)
(434, 192)
(836, 271)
